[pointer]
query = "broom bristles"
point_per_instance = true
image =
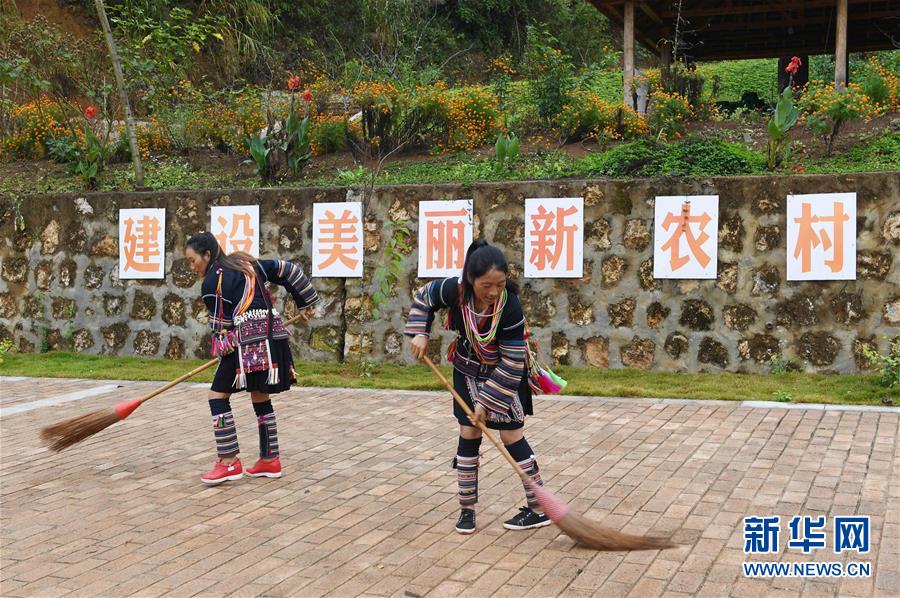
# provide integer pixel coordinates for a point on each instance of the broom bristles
(589, 533)
(71, 431)
(592, 535)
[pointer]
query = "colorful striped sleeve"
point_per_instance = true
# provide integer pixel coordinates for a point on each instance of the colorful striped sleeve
(435, 295)
(220, 315)
(499, 390)
(291, 277)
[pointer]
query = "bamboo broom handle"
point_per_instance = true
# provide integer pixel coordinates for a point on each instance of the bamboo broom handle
(484, 429)
(195, 371)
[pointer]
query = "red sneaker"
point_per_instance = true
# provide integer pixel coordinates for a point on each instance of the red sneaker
(265, 469)
(223, 473)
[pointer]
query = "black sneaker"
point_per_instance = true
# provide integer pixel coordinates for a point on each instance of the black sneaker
(466, 522)
(527, 519)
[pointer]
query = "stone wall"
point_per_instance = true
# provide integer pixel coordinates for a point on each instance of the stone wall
(59, 287)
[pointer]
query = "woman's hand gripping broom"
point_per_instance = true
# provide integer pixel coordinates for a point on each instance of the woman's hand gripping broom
(579, 528)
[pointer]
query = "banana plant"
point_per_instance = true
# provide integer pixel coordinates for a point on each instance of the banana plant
(784, 118)
(506, 149)
(91, 158)
(296, 144)
(259, 151)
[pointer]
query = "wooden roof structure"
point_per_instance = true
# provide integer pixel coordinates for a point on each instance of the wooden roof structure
(733, 29)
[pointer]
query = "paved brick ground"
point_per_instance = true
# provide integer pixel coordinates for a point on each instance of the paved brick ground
(367, 504)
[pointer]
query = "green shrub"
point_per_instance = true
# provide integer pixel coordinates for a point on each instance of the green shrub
(327, 134)
(668, 114)
(587, 116)
(889, 365)
(692, 157)
(632, 159)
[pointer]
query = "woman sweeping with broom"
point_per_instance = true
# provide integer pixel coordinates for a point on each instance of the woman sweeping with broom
(489, 359)
(250, 340)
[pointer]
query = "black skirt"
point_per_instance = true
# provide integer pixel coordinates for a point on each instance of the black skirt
(459, 384)
(256, 381)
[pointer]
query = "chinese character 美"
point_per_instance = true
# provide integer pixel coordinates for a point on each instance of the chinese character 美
(339, 239)
(761, 534)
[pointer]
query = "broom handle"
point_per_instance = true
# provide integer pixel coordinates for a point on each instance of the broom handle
(194, 372)
(484, 429)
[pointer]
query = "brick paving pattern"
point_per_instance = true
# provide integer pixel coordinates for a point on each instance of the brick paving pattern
(368, 500)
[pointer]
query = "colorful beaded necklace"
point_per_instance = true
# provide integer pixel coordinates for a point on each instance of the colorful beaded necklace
(481, 341)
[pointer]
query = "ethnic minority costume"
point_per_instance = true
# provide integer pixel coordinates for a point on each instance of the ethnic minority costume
(492, 374)
(250, 339)
(489, 359)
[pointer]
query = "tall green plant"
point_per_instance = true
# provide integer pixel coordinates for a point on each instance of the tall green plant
(783, 119)
(259, 153)
(284, 144)
(552, 73)
(295, 144)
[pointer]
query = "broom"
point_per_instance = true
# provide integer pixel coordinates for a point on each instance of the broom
(581, 529)
(71, 431)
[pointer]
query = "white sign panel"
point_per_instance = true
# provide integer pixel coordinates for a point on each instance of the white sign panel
(236, 228)
(685, 236)
(445, 233)
(338, 240)
(554, 237)
(142, 242)
(821, 236)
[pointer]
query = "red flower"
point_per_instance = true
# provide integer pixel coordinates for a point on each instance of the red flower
(90, 112)
(799, 168)
(794, 66)
(294, 83)
(307, 96)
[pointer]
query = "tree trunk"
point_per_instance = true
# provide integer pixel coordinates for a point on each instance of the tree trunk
(123, 95)
(628, 54)
(840, 46)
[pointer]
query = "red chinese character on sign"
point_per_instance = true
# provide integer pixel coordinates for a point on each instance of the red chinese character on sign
(339, 239)
(239, 240)
(682, 224)
(808, 238)
(141, 244)
(445, 233)
(551, 236)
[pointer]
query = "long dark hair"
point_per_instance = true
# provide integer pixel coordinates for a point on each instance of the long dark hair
(239, 261)
(481, 258)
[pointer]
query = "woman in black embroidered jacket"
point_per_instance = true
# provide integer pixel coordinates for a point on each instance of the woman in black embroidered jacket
(250, 340)
(490, 370)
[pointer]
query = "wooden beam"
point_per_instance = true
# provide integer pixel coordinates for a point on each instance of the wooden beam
(840, 45)
(781, 24)
(648, 41)
(761, 39)
(647, 10)
(628, 56)
(769, 7)
(755, 51)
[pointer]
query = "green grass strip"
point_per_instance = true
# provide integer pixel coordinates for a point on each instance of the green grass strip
(798, 387)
